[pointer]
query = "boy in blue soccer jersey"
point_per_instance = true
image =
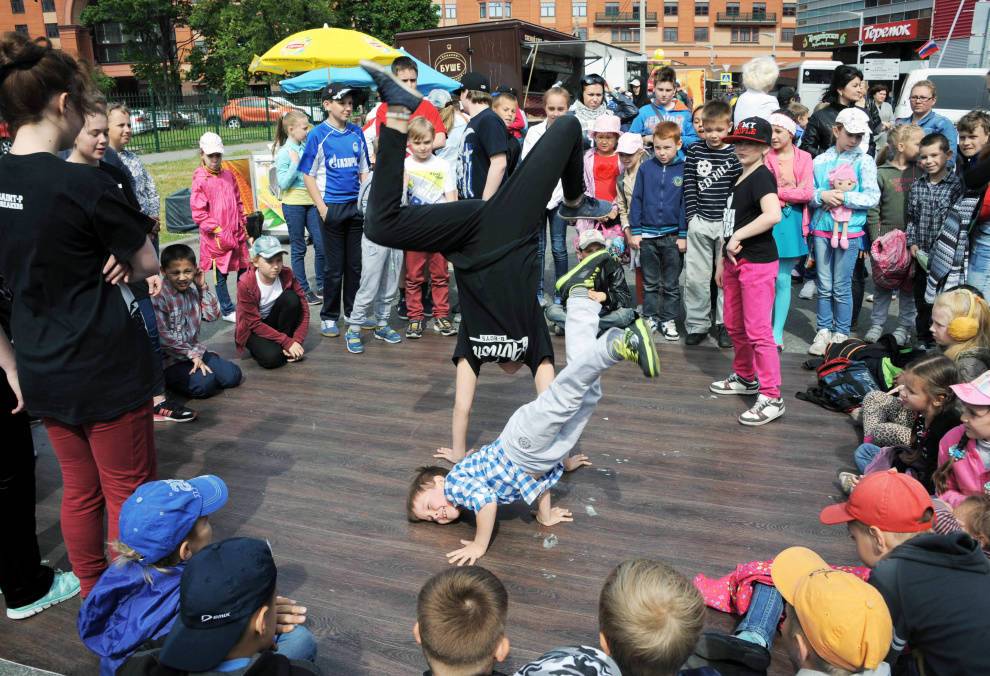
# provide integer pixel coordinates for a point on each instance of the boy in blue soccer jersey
(334, 164)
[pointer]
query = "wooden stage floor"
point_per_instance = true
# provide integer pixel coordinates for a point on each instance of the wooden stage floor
(318, 457)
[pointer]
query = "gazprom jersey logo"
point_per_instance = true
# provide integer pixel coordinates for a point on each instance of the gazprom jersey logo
(334, 162)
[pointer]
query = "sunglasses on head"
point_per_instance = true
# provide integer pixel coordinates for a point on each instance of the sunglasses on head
(592, 80)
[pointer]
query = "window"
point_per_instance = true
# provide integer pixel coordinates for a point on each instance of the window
(701, 34)
(579, 8)
(17, 6)
(450, 11)
(625, 35)
(759, 8)
(701, 9)
(670, 35)
(745, 35)
(111, 43)
(548, 9)
(51, 30)
(508, 9)
(47, 5)
(482, 11)
(790, 9)
(732, 8)
(581, 33)
(786, 34)
(611, 9)
(21, 28)
(670, 9)
(494, 10)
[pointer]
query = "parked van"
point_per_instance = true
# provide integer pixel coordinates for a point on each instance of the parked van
(960, 90)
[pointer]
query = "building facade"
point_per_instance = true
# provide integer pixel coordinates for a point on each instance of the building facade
(892, 29)
(700, 33)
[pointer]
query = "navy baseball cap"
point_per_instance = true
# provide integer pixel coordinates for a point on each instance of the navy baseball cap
(475, 82)
(159, 515)
(221, 588)
(335, 91)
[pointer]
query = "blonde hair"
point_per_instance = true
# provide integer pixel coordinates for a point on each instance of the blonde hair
(958, 302)
(447, 114)
(760, 73)
(651, 617)
(289, 119)
(897, 135)
(127, 555)
(798, 110)
(557, 90)
(421, 129)
(929, 84)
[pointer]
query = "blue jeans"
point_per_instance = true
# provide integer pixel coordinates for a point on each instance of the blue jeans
(661, 264)
(558, 247)
(978, 273)
(763, 614)
(300, 219)
(151, 326)
(223, 295)
(298, 644)
(199, 386)
(835, 275)
(864, 454)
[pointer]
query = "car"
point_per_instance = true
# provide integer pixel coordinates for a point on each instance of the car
(314, 113)
(144, 121)
(250, 110)
(960, 90)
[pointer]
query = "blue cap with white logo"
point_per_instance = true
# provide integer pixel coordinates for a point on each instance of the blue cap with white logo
(159, 515)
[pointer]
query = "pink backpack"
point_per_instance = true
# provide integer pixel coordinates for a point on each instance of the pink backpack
(891, 261)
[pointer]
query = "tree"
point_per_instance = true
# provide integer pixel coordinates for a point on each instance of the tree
(149, 29)
(385, 18)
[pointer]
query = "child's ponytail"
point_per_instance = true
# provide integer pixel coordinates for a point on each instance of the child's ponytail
(282, 128)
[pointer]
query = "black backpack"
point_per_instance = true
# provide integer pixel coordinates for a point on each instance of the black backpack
(842, 384)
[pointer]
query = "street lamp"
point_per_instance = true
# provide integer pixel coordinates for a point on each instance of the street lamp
(859, 38)
(773, 48)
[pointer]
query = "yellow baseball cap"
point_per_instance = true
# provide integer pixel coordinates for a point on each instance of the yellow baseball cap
(844, 618)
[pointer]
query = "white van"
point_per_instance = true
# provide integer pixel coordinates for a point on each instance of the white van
(960, 90)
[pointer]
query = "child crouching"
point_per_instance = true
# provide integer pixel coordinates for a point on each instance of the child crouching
(272, 312)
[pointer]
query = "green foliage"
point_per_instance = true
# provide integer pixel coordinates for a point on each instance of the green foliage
(385, 18)
(103, 82)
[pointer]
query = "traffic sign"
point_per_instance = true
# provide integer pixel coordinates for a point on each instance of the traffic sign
(881, 69)
(726, 79)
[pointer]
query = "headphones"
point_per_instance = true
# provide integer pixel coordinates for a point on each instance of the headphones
(962, 329)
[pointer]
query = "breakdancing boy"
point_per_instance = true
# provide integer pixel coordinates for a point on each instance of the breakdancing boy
(530, 455)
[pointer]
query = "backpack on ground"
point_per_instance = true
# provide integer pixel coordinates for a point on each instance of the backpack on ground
(842, 384)
(891, 261)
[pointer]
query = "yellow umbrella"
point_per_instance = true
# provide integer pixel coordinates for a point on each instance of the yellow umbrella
(322, 48)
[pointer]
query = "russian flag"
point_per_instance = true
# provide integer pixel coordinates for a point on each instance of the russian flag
(927, 49)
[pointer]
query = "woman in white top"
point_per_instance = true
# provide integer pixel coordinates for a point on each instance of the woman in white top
(759, 75)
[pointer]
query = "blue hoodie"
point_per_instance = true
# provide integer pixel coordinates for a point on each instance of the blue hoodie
(657, 206)
(124, 610)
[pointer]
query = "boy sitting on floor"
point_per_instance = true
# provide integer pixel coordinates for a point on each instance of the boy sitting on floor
(610, 288)
(184, 301)
(531, 454)
(272, 312)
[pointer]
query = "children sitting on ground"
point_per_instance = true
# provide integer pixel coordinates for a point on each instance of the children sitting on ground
(601, 172)
(902, 428)
(936, 587)
(428, 180)
(964, 453)
(230, 618)
(710, 170)
(609, 286)
(183, 303)
(747, 274)
(961, 329)
(272, 312)
(971, 516)
(217, 209)
(834, 265)
(658, 229)
(460, 622)
(974, 134)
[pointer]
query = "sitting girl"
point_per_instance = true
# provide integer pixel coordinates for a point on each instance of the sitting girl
(272, 313)
(903, 427)
(961, 329)
(964, 454)
(601, 171)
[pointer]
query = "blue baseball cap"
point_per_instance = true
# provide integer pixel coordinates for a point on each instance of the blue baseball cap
(160, 514)
(221, 588)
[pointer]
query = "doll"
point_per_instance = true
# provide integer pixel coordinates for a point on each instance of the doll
(843, 179)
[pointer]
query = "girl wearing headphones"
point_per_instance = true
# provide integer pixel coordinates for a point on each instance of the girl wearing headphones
(961, 328)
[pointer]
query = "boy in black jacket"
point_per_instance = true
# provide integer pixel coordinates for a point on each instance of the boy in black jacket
(937, 587)
(610, 288)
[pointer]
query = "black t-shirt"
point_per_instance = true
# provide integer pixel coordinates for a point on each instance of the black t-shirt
(486, 136)
(82, 356)
(743, 208)
(501, 320)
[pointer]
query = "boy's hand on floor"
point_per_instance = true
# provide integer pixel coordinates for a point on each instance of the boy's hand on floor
(288, 614)
(557, 515)
(682, 245)
(575, 461)
(466, 555)
(450, 455)
(295, 351)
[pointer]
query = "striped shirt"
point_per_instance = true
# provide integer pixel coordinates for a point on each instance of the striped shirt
(927, 205)
(708, 179)
(488, 476)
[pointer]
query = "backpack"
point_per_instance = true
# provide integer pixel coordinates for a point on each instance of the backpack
(842, 385)
(891, 261)
(273, 187)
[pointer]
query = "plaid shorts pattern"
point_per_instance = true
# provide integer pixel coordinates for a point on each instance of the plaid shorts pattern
(488, 476)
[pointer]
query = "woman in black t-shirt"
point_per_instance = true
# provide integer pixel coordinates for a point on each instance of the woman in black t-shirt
(83, 357)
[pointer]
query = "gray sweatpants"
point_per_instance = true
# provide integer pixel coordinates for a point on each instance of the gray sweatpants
(544, 431)
(704, 238)
(380, 267)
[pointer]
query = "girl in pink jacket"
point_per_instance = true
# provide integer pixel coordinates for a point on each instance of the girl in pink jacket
(794, 170)
(964, 453)
(217, 209)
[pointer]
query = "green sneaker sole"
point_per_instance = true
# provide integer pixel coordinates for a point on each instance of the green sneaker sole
(649, 360)
(41, 604)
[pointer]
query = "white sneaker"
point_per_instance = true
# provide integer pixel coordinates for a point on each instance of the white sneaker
(764, 410)
(902, 336)
(821, 341)
(230, 317)
(669, 330)
(808, 290)
(873, 335)
(839, 338)
(735, 385)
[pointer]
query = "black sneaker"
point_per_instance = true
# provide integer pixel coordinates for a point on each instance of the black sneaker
(391, 90)
(588, 208)
(722, 336)
(725, 648)
(636, 345)
(695, 338)
(582, 274)
(170, 411)
(415, 329)
(312, 298)
(403, 311)
(444, 327)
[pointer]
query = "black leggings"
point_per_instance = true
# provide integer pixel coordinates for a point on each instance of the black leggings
(285, 317)
(474, 233)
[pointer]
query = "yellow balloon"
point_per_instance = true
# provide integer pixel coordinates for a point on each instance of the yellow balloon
(658, 54)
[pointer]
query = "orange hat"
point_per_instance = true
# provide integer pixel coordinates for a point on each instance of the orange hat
(893, 502)
(845, 619)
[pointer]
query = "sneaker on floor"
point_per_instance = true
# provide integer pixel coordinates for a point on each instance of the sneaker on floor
(319, 293)
(652, 323)
(353, 342)
(808, 290)
(735, 385)
(388, 334)
(902, 336)
(312, 298)
(725, 648)
(821, 341)
(582, 274)
(444, 326)
(848, 481)
(329, 328)
(764, 410)
(588, 207)
(173, 411)
(415, 329)
(230, 317)
(669, 330)
(722, 336)
(636, 344)
(839, 337)
(391, 89)
(64, 587)
(695, 338)
(403, 311)
(873, 335)
(869, 298)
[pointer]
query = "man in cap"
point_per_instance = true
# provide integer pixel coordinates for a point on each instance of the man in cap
(487, 158)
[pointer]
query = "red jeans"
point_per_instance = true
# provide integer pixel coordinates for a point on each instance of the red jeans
(102, 464)
(749, 290)
(416, 262)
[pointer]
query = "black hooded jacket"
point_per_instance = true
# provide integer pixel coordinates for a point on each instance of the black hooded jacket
(818, 136)
(937, 588)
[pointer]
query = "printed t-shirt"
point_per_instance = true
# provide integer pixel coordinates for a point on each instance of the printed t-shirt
(606, 171)
(428, 182)
(336, 159)
(743, 208)
(485, 137)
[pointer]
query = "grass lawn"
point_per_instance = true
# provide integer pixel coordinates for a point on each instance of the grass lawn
(188, 137)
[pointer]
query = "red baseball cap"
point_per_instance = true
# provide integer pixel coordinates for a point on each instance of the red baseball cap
(891, 501)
